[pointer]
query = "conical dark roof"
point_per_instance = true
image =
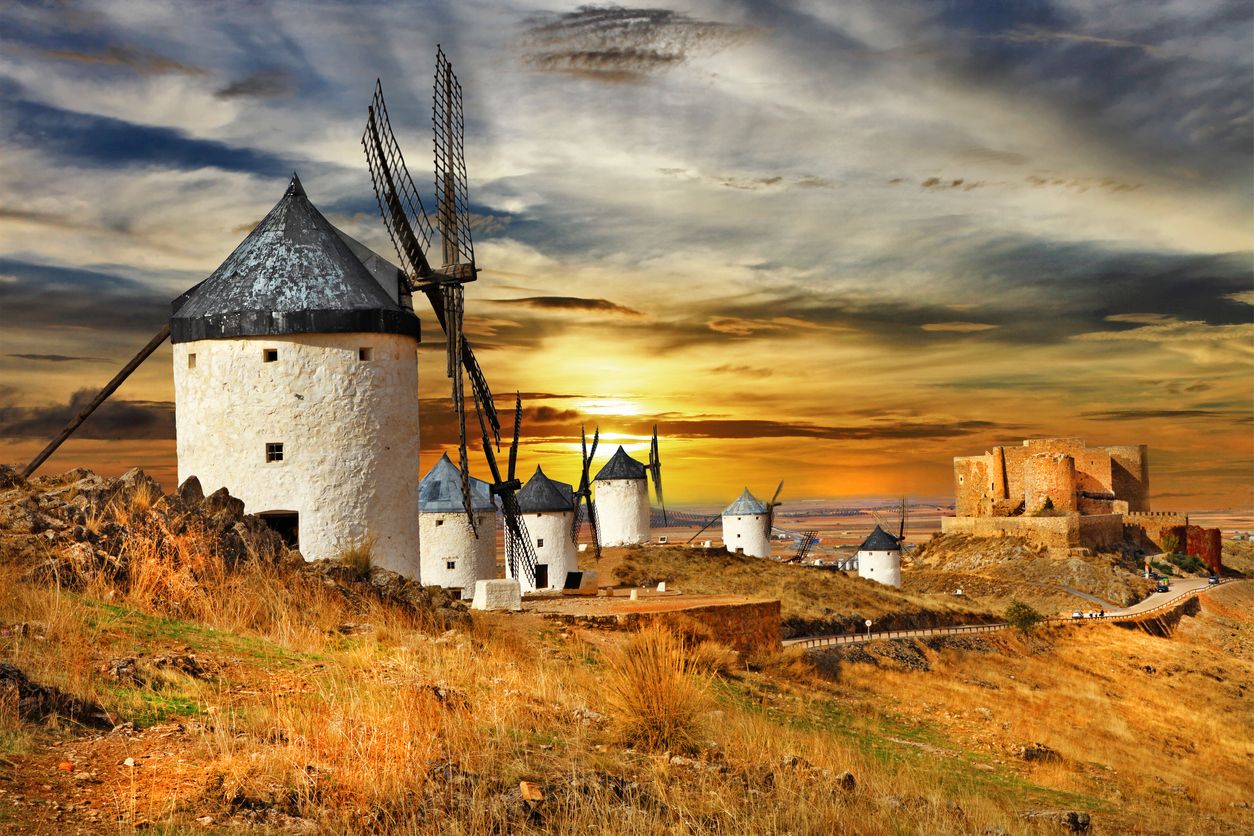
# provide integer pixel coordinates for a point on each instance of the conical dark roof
(293, 274)
(745, 505)
(620, 466)
(880, 541)
(441, 490)
(542, 494)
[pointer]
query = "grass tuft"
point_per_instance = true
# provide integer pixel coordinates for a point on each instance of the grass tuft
(656, 693)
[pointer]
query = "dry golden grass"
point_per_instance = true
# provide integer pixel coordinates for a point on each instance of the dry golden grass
(656, 693)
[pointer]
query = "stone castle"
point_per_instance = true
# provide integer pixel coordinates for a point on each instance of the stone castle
(1066, 496)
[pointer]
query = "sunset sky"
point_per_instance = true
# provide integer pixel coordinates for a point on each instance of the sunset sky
(837, 243)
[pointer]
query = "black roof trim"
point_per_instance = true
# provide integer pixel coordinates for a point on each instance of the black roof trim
(279, 323)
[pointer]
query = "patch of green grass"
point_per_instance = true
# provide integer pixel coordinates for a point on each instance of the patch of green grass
(143, 629)
(872, 733)
(144, 707)
(15, 742)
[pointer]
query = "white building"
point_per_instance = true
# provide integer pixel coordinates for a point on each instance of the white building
(452, 556)
(296, 387)
(744, 526)
(622, 501)
(879, 558)
(548, 510)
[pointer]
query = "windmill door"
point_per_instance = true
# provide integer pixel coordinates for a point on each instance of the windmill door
(542, 576)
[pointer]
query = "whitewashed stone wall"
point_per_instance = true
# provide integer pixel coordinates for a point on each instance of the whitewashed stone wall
(883, 567)
(349, 431)
(622, 511)
(746, 532)
(447, 538)
(550, 536)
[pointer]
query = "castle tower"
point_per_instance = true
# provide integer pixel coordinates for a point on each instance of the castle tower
(452, 557)
(879, 558)
(744, 526)
(548, 509)
(622, 501)
(296, 388)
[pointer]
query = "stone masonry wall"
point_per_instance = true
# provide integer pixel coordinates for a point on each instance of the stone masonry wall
(1206, 544)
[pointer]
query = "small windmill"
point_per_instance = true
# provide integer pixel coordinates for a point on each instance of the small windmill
(585, 491)
(655, 471)
(410, 229)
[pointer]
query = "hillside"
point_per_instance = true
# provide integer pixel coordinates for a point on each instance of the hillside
(812, 599)
(180, 686)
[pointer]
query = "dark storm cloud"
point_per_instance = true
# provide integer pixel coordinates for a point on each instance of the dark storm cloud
(614, 44)
(569, 303)
(88, 140)
(113, 420)
(1126, 78)
(263, 84)
(1141, 414)
(141, 61)
(49, 296)
(58, 358)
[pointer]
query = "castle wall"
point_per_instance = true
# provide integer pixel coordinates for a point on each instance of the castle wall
(1206, 544)
(1058, 534)
(349, 430)
(1130, 474)
(1049, 477)
(1148, 528)
(447, 538)
(972, 476)
(622, 510)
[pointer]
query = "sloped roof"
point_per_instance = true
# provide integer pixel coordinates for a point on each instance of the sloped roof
(744, 505)
(620, 466)
(293, 274)
(441, 490)
(880, 541)
(542, 494)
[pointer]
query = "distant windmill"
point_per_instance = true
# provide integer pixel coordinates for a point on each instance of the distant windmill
(584, 493)
(410, 229)
(879, 556)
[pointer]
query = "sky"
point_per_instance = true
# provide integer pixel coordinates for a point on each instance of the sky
(833, 243)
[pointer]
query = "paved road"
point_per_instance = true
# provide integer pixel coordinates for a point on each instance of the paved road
(1178, 589)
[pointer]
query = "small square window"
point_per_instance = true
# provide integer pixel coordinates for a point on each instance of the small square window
(274, 452)
(269, 355)
(191, 361)
(365, 355)
(451, 564)
(539, 542)
(439, 522)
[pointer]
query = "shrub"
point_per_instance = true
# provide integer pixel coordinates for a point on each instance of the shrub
(1022, 617)
(655, 693)
(1170, 543)
(359, 559)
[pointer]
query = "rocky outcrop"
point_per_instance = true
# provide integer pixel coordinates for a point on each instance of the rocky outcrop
(40, 703)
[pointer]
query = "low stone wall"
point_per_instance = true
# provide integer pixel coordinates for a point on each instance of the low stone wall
(1056, 533)
(749, 627)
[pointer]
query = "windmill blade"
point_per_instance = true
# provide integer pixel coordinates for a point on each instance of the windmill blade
(513, 447)
(101, 397)
(770, 509)
(582, 490)
(592, 511)
(775, 498)
(704, 527)
(452, 192)
(520, 554)
(399, 202)
(655, 471)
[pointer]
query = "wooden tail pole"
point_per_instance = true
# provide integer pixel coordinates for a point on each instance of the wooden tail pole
(100, 398)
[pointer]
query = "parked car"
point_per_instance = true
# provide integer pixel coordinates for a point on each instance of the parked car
(1213, 580)
(1077, 614)
(1163, 586)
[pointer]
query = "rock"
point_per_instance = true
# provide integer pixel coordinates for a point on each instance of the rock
(1036, 753)
(38, 703)
(191, 492)
(125, 670)
(530, 791)
(587, 716)
(794, 762)
(354, 629)
(1072, 820)
(846, 781)
(223, 509)
(128, 762)
(65, 766)
(10, 478)
(185, 663)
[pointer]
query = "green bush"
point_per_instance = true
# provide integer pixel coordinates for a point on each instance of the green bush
(1188, 562)
(1022, 617)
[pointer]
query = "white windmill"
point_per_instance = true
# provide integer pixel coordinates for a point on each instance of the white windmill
(879, 556)
(548, 507)
(747, 524)
(452, 555)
